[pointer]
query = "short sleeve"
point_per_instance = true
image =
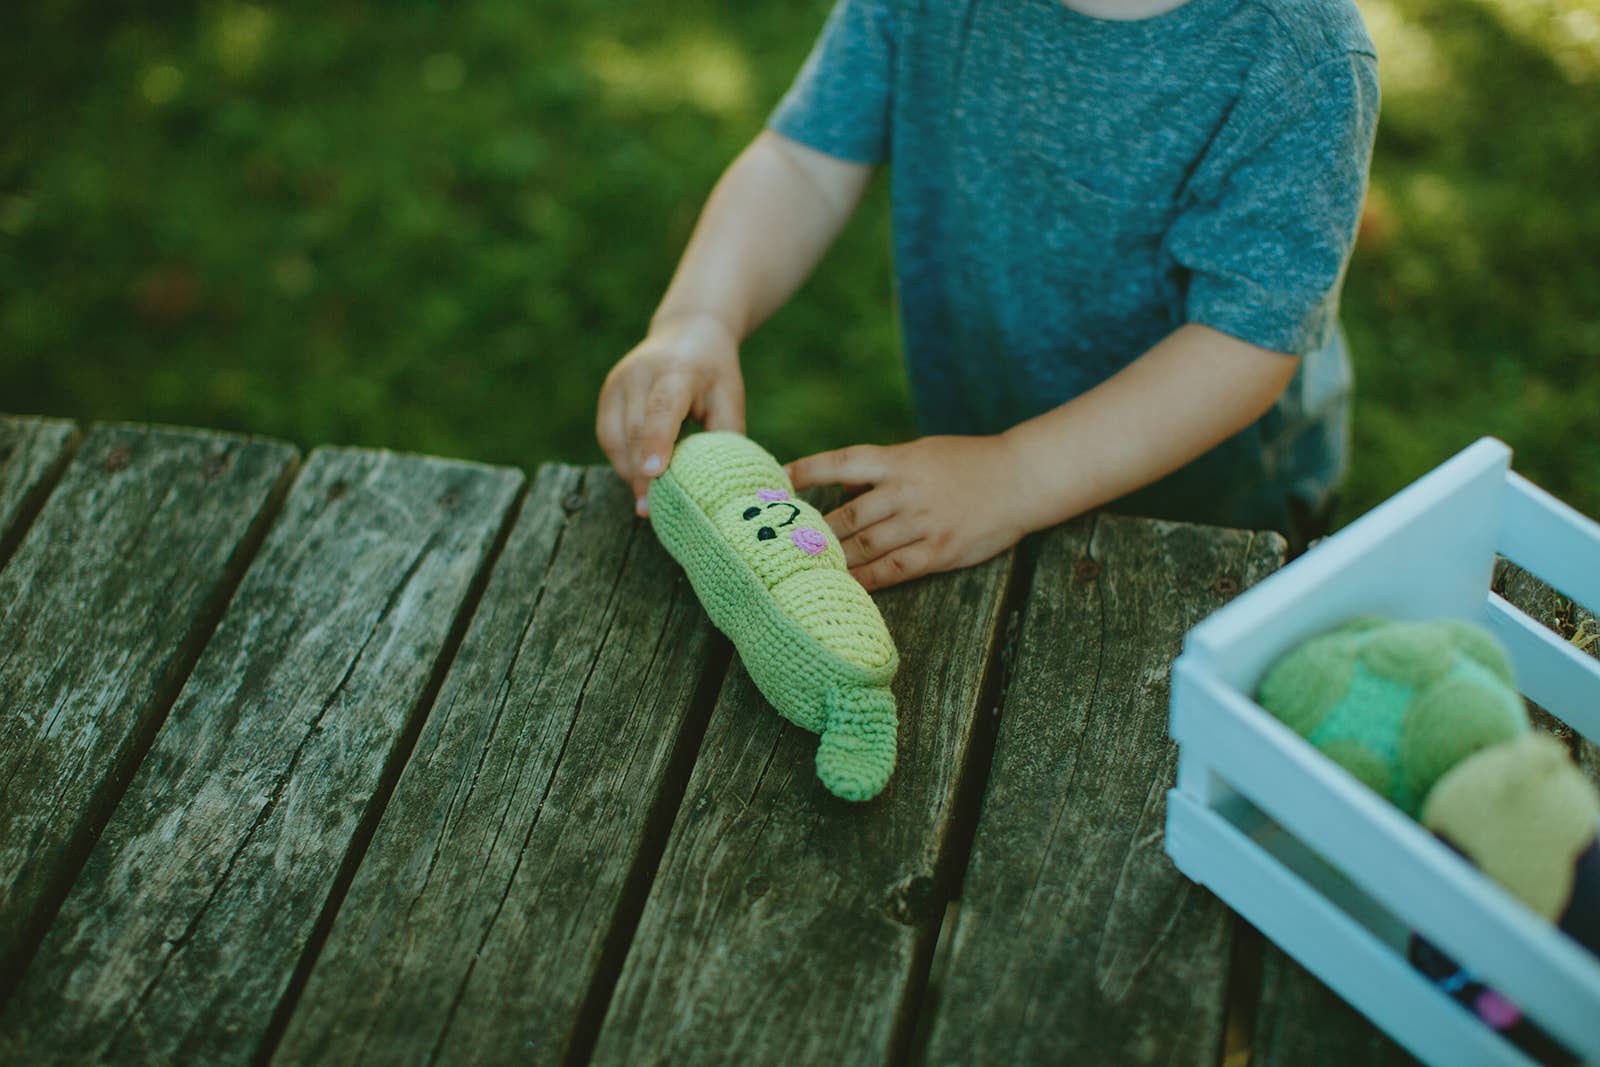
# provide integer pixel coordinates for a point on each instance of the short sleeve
(839, 103)
(1267, 240)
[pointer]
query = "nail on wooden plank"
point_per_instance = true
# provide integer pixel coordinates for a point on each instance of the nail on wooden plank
(786, 924)
(1076, 939)
(193, 910)
(102, 610)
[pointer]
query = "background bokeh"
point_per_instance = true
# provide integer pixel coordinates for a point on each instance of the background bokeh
(433, 227)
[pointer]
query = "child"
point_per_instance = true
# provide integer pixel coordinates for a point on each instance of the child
(1121, 227)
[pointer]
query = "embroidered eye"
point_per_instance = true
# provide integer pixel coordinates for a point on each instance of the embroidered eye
(751, 512)
(766, 533)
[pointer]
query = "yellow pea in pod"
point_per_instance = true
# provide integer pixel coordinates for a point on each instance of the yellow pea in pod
(771, 575)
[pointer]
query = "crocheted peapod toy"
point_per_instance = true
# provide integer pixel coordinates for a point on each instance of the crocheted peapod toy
(1426, 714)
(771, 575)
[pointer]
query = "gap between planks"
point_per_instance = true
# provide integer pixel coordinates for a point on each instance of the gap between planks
(929, 966)
(386, 784)
(107, 796)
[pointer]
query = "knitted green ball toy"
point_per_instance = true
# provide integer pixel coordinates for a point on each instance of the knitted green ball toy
(1397, 704)
(771, 575)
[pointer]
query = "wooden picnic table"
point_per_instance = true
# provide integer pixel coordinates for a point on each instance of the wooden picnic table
(388, 758)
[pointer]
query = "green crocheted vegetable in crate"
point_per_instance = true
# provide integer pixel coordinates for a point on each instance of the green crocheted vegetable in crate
(771, 575)
(1397, 704)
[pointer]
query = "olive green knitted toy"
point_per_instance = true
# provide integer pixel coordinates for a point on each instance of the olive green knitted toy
(771, 575)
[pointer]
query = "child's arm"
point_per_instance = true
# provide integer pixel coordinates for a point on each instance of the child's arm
(939, 503)
(774, 212)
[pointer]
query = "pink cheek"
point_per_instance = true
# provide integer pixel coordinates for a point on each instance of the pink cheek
(811, 542)
(769, 495)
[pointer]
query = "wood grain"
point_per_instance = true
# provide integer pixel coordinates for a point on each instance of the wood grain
(33, 453)
(103, 610)
(207, 884)
(508, 869)
(1076, 939)
(786, 924)
(1302, 1023)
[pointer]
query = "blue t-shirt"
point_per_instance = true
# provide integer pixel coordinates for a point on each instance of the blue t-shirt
(1068, 190)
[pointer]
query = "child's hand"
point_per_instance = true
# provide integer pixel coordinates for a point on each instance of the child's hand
(934, 504)
(688, 365)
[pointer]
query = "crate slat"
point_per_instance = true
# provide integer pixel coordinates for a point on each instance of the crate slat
(1338, 949)
(1389, 857)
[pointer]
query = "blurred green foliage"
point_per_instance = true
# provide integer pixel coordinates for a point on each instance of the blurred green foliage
(434, 227)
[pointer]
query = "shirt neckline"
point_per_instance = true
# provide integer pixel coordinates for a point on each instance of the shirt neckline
(1189, 13)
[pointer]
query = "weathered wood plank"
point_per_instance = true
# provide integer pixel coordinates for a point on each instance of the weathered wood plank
(185, 927)
(506, 872)
(1302, 1023)
(1574, 622)
(33, 453)
(103, 609)
(787, 925)
(1076, 940)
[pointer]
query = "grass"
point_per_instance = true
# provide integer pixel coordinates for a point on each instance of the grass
(434, 228)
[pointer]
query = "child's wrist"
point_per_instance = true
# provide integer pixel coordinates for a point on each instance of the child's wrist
(693, 320)
(1040, 498)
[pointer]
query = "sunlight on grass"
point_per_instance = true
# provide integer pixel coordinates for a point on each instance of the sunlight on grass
(1568, 31)
(161, 84)
(1408, 55)
(697, 67)
(240, 36)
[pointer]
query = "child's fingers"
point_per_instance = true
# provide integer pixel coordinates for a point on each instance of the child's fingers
(613, 438)
(858, 464)
(879, 540)
(901, 565)
(664, 411)
(725, 406)
(610, 431)
(859, 513)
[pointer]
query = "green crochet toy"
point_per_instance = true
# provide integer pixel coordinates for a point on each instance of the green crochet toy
(1397, 703)
(1427, 715)
(771, 575)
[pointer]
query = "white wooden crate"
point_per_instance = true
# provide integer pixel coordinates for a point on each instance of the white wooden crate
(1328, 869)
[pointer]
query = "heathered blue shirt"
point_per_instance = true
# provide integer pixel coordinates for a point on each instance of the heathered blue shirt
(1068, 190)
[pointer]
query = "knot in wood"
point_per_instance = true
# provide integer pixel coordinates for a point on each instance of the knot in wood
(911, 902)
(337, 490)
(117, 458)
(1225, 586)
(572, 502)
(757, 886)
(449, 500)
(214, 467)
(1086, 570)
